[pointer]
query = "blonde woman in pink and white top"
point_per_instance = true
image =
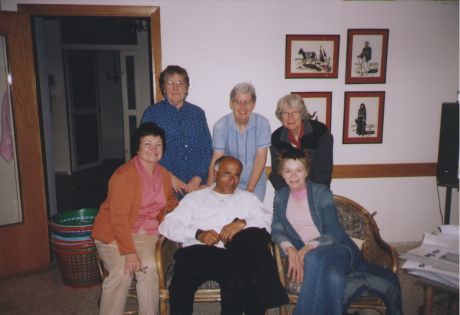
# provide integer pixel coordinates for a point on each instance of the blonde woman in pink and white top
(322, 258)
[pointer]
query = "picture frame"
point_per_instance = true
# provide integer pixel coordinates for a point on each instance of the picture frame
(363, 117)
(312, 56)
(319, 105)
(367, 51)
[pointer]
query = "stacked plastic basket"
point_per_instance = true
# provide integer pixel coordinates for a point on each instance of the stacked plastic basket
(74, 248)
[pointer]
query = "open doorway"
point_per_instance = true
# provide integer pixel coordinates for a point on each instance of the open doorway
(34, 131)
(94, 87)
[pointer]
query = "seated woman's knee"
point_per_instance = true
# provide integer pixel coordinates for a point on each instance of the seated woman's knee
(335, 277)
(148, 271)
(316, 258)
(149, 263)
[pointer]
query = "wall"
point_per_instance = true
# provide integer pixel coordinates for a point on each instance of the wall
(223, 43)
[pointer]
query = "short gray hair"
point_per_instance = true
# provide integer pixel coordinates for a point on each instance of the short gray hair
(291, 101)
(226, 157)
(244, 88)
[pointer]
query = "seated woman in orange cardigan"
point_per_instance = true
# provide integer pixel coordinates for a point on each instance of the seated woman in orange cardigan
(125, 230)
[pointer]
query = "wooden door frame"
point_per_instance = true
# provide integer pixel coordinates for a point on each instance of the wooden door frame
(25, 245)
(151, 12)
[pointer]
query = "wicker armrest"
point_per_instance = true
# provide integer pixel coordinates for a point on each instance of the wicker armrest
(164, 257)
(378, 251)
(359, 223)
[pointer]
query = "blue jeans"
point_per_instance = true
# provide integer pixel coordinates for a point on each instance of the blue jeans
(375, 281)
(325, 271)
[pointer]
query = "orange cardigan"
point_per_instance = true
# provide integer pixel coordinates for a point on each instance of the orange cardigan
(119, 211)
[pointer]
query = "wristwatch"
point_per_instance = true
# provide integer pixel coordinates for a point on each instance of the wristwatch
(198, 232)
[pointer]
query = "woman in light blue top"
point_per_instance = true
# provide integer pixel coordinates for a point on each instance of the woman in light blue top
(244, 135)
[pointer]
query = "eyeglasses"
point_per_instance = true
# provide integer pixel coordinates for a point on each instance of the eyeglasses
(179, 84)
(242, 103)
(294, 113)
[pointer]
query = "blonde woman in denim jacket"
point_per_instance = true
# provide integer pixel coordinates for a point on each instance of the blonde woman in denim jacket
(321, 255)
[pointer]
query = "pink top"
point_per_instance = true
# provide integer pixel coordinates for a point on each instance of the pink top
(152, 201)
(298, 214)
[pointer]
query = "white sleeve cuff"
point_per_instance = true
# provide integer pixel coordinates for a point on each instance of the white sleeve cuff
(285, 245)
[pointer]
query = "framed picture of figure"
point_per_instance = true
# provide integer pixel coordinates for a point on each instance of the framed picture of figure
(312, 56)
(319, 105)
(363, 117)
(366, 56)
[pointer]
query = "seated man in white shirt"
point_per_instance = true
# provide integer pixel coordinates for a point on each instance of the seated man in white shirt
(224, 233)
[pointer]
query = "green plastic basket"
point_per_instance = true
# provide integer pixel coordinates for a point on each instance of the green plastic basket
(80, 217)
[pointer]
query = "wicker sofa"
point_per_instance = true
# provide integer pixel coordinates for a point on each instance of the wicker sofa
(355, 219)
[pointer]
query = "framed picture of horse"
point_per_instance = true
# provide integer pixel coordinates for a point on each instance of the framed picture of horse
(363, 117)
(312, 56)
(366, 56)
(319, 106)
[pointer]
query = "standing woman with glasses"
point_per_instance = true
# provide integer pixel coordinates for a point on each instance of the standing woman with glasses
(298, 132)
(186, 129)
(244, 135)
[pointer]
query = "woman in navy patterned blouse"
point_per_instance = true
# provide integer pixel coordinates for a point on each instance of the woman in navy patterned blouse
(189, 140)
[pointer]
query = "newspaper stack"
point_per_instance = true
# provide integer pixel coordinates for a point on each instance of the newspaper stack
(437, 258)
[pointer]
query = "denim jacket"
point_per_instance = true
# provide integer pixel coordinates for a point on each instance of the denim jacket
(324, 214)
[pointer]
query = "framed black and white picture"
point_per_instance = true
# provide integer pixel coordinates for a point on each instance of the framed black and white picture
(366, 56)
(319, 105)
(363, 117)
(312, 56)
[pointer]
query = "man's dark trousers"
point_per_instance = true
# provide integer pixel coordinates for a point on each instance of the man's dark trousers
(245, 270)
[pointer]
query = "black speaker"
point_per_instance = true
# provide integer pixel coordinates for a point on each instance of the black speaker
(447, 170)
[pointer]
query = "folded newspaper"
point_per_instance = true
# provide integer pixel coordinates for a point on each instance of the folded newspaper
(437, 258)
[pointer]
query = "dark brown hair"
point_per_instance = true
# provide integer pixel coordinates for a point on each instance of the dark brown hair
(146, 129)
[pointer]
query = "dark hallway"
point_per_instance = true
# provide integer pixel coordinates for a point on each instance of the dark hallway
(86, 188)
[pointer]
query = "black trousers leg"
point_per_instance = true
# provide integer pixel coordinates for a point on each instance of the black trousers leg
(246, 273)
(197, 264)
(250, 253)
